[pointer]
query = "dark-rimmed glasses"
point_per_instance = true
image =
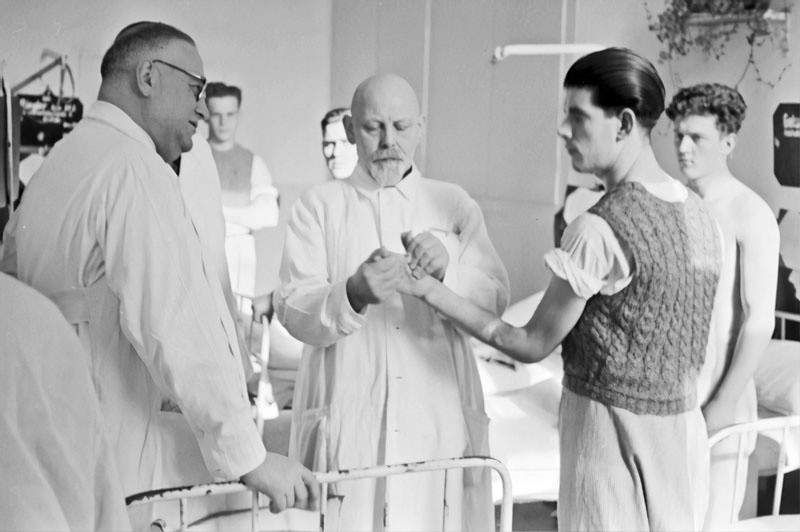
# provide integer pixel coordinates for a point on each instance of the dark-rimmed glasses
(202, 88)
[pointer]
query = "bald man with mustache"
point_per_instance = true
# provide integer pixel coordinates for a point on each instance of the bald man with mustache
(384, 379)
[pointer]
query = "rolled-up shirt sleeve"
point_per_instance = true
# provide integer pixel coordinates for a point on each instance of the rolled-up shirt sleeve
(590, 258)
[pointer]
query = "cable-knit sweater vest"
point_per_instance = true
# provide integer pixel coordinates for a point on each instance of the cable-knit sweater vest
(641, 349)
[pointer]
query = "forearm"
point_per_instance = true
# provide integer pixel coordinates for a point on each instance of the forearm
(257, 215)
(751, 345)
(516, 342)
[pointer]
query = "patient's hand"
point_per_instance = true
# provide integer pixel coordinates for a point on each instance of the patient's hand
(411, 285)
(719, 414)
(427, 254)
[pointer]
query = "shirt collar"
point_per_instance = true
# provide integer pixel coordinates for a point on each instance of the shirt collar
(117, 118)
(366, 184)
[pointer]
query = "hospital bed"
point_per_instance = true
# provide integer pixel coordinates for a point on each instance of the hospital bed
(779, 428)
(522, 402)
(241, 517)
(778, 389)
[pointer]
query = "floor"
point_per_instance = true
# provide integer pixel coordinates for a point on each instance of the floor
(531, 516)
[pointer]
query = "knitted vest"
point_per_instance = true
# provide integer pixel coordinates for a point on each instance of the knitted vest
(641, 349)
(235, 167)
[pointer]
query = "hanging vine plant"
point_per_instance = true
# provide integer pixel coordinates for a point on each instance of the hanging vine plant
(707, 26)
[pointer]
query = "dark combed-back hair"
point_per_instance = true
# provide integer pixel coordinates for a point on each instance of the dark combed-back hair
(217, 89)
(136, 39)
(619, 79)
(713, 99)
(334, 115)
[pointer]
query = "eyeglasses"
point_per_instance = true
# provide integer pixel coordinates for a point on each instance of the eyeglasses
(199, 91)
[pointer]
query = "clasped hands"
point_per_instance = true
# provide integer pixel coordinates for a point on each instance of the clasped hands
(384, 273)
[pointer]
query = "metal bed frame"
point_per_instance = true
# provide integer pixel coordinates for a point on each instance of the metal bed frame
(182, 494)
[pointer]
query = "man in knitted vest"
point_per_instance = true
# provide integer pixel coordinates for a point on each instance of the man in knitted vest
(631, 299)
(707, 118)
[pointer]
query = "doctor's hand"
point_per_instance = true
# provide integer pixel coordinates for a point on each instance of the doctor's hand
(262, 308)
(426, 254)
(287, 483)
(376, 279)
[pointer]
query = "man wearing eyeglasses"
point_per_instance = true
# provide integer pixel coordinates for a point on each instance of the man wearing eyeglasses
(103, 231)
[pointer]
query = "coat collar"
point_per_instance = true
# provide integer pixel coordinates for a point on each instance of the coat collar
(118, 119)
(407, 186)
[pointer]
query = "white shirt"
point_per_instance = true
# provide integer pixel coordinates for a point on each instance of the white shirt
(58, 469)
(400, 356)
(591, 259)
(103, 231)
(263, 210)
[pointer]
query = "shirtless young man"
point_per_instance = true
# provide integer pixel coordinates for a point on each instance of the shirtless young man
(707, 118)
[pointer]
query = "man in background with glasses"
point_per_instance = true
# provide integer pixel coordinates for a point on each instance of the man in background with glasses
(104, 233)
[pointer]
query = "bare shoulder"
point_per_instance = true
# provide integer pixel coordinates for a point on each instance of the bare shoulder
(753, 218)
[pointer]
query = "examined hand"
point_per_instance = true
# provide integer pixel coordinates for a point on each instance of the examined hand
(426, 254)
(287, 483)
(416, 287)
(376, 279)
(719, 414)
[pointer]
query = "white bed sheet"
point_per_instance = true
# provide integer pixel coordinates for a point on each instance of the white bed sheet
(522, 402)
(778, 389)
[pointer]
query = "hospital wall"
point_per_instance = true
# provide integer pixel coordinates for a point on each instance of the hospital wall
(277, 51)
(752, 161)
(490, 125)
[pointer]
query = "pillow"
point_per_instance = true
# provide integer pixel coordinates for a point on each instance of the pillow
(777, 378)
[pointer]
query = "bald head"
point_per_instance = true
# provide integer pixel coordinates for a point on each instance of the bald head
(381, 89)
(385, 126)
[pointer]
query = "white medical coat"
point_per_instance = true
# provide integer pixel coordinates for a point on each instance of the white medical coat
(103, 231)
(58, 471)
(202, 195)
(397, 383)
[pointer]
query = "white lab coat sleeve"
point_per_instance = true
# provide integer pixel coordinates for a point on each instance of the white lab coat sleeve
(314, 309)
(477, 273)
(167, 312)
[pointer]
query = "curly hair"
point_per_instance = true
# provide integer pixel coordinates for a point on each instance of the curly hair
(713, 99)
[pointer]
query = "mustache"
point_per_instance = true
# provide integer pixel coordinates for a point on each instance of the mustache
(386, 154)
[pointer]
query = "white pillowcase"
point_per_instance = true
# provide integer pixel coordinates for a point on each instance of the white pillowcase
(778, 378)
